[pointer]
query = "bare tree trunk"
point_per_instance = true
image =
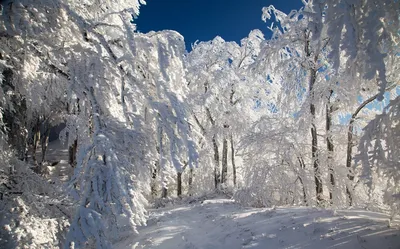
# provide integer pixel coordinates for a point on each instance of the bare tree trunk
(233, 160)
(314, 138)
(72, 150)
(45, 142)
(217, 174)
(314, 149)
(36, 140)
(233, 103)
(179, 183)
(329, 145)
(190, 181)
(164, 192)
(224, 161)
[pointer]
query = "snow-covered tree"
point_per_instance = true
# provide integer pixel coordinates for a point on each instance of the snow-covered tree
(219, 96)
(89, 56)
(379, 153)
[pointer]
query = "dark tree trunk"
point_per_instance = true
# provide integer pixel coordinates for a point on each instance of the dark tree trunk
(36, 140)
(190, 182)
(217, 174)
(224, 161)
(314, 138)
(233, 103)
(45, 141)
(233, 161)
(179, 183)
(72, 150)
(164, 192)
(314, 150)
(329, 145)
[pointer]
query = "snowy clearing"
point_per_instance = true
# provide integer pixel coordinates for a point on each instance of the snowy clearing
(221, 223)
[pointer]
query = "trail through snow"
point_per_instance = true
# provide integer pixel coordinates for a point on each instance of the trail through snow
(221, 223)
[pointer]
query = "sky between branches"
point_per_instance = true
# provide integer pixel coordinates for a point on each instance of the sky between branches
(204, 19)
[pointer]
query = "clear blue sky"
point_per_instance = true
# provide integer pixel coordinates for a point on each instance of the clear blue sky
(204, 19)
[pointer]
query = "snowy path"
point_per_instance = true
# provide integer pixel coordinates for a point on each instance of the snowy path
(57, 152)
(220, 223)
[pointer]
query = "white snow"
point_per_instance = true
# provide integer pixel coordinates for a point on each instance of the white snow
(221, 223)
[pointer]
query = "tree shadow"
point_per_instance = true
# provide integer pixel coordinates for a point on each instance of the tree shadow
(227, 225)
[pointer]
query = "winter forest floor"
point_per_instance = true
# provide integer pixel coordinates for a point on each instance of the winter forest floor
(221, 223)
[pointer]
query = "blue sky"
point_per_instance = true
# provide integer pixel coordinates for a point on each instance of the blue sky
(204, 19)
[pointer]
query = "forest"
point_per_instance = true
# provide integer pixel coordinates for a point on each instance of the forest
(99, 123)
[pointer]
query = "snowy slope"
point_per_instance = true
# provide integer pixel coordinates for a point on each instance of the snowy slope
(220, 223)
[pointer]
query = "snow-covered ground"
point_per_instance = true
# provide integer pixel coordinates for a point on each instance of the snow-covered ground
(221, 223)
(58, 152)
